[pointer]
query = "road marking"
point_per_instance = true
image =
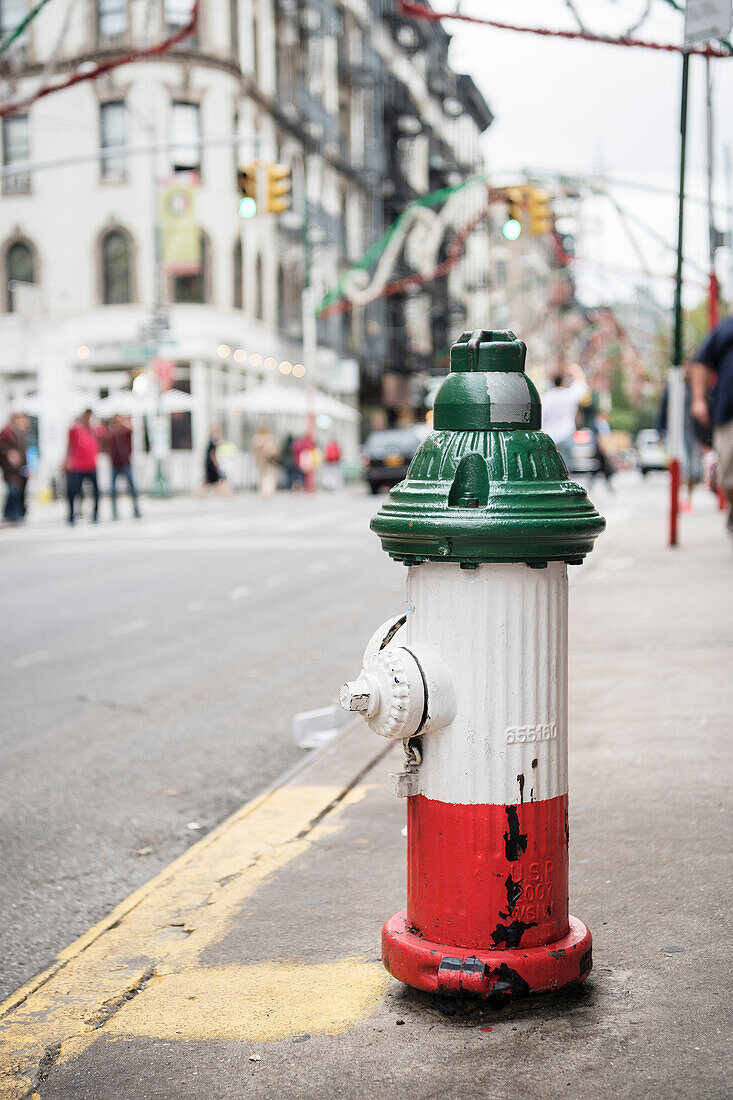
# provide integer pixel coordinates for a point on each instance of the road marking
(197, 605)
(316, 567)
(239, 593)
(128, 628)
(30, 659)
(274, 582)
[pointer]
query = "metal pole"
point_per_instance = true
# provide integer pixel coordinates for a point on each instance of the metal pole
(160, 486)
(713, 294)
(310, 333)
(675, 383)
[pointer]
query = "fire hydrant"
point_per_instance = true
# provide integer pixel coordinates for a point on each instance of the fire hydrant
(473, 679)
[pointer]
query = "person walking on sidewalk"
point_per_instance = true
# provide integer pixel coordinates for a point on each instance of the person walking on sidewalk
(266, 457)
(716, 356)
(14, 464)
(691, 464)
(119, 448)
(81, 463)
(560, 407)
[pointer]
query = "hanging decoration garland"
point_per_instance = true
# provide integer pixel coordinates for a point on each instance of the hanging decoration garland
(413, 10)
(106, 66)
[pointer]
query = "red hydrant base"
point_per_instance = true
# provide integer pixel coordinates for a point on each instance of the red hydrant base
(441, 968)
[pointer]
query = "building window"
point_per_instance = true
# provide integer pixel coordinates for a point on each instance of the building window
(20, 267)
(194, 287)
(12, 12)
(238, 295)
(177, 15)
(116, 269)
(113, 18)
(16, 150)
(185, 137)
(112, 135)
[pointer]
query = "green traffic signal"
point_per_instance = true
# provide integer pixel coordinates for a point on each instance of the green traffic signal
(247, 207)
(512, 229)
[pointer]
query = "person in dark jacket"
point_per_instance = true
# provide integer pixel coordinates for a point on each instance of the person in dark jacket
(119, 447)
(715, 359)
(14, 464)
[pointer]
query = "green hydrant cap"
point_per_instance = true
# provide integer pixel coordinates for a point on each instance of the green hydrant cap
(488, 485)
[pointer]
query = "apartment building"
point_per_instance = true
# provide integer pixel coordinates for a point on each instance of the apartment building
(359, 102)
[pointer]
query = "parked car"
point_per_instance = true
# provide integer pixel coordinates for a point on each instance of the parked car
(584, 456)
(386, 455)
(651, 452)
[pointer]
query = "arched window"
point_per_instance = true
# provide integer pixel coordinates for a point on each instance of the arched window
(238, 292)
(194, 287)
(20, 267)
(116, 269)
(259, 296)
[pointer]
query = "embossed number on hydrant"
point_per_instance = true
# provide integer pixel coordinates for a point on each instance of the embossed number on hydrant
(521, 735)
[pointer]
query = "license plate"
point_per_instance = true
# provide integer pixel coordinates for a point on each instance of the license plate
(394, 460)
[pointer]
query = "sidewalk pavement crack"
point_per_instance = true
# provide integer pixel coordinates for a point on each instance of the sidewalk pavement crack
(342, 794)
(111, 1007)
(46, 1064)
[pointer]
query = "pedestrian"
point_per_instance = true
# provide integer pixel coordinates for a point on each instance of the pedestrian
(560, 403)
(332, 475)
(14, 463)
(214, 476)
(266, 457)
(601, 432)
(691, 466)
(118, 441)
(81, 463)
(715, 356)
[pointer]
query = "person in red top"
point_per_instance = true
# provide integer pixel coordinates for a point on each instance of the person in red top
(81, 462)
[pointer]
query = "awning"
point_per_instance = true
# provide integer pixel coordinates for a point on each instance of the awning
(271, 399)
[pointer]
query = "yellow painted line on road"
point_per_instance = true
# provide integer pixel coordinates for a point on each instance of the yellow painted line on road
(139, 972)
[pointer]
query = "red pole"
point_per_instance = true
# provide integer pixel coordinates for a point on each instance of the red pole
(713, 298)
(674, 499)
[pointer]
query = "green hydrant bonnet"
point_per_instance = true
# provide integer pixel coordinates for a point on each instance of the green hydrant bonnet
(488, 485)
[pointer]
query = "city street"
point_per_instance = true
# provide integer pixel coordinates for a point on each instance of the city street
(200, 980)
(149, 679)
(155, 669)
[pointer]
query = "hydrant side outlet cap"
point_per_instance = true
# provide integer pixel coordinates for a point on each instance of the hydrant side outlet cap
(488, 485)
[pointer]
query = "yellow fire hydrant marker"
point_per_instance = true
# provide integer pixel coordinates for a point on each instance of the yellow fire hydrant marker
(138, 972)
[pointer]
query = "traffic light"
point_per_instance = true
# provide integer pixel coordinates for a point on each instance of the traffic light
(247, 185)
(279, 184)
(539, 209)
(512, 227)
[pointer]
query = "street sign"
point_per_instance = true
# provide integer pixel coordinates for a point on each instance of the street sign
(138, 351)
(706, 19)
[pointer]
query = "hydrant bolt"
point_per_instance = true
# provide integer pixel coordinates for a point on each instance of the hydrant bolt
(356, 695)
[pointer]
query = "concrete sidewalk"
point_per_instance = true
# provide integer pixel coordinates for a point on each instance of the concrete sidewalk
(251, 965)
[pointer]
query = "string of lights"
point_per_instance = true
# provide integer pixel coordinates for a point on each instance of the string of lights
(106, 66)
(413, 10)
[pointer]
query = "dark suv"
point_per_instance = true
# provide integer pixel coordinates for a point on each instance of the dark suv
(387, 455)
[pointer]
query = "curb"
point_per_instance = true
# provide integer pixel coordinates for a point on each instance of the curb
(302, 769)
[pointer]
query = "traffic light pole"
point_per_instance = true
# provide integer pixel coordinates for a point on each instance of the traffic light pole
(310, 337)
(675, 379)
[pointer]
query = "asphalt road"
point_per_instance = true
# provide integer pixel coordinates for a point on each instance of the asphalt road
(149, 674)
